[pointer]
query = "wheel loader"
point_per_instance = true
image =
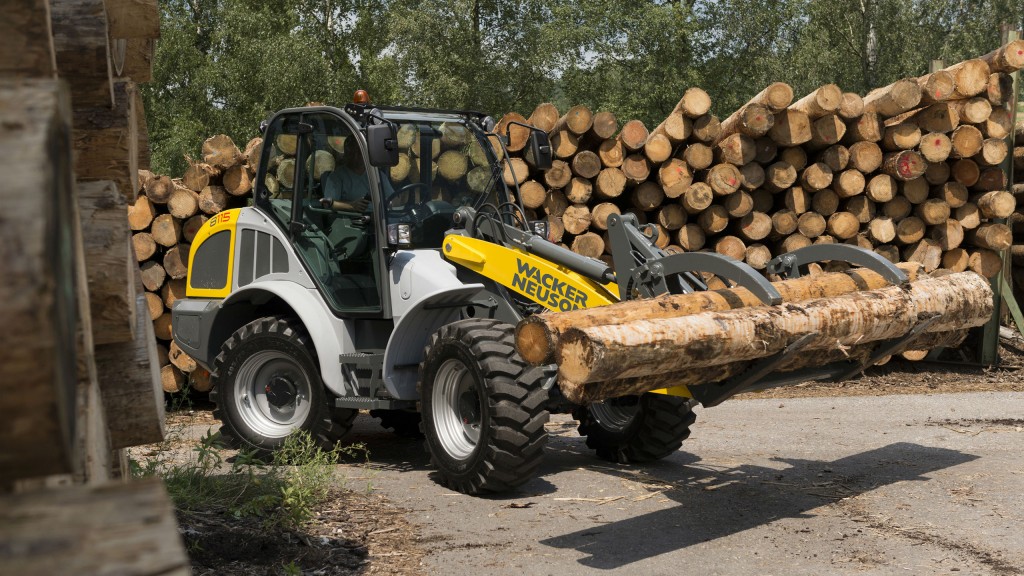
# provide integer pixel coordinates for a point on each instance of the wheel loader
(352, 284)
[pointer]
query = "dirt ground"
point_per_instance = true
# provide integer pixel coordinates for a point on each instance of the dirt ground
(359, 531)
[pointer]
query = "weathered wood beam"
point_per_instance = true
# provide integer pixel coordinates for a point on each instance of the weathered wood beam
(83, 52)
(26, 43)
(111, 528)
(106, 141)
(37, 297)
(133, 18)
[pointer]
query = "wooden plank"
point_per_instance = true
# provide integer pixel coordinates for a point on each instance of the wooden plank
(37, 296)
(106, 142)
(83, 51)
(114, 528)
(133, 18)
(143, 134)
(26, 43)
(130, 384)
(109, 260)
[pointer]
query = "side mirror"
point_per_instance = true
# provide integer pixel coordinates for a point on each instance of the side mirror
(382, 145)
(540, 150)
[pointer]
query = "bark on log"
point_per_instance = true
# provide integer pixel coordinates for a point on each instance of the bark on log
(991, 236)
(1007, 58)
(652, 347)
(942, 117)
(537, 337)
(130, 384)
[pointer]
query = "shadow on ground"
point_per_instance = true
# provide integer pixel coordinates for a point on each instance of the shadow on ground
(721, 502)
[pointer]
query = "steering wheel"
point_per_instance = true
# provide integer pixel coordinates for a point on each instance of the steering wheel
(403, 190)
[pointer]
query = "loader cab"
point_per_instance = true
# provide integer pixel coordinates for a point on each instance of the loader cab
(311, 158)
(346, 217)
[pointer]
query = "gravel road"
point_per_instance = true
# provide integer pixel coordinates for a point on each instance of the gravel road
(914, 484)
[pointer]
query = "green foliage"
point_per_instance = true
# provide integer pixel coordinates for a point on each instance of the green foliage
(223, 65)
(285, 491)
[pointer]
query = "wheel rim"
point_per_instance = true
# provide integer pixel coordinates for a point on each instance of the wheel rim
(457, 409)
(272, 393)
(614, 417)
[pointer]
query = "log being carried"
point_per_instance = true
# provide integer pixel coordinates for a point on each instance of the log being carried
(710, 345)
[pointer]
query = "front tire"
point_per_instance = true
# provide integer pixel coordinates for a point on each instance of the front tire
(267, 385)
(483, 407)
(636, 428)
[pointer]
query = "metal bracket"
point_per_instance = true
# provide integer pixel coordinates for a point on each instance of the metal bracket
(714, 394)
(717, 264)
(788, 264)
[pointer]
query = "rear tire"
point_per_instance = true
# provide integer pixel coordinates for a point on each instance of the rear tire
(267, 385)
(636, 428)
(483, 407)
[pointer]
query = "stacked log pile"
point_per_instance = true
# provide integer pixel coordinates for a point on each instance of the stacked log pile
(911, 171)
(164, 218)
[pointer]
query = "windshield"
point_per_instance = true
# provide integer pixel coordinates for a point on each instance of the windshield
(442, 165)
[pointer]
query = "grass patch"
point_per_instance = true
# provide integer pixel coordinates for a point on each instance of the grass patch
(284, 490)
